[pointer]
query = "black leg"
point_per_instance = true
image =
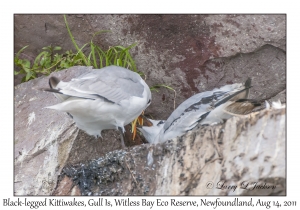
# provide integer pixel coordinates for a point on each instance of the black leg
(122, 137)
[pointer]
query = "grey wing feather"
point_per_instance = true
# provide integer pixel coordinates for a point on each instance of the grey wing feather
(112, 83)
(198, 106)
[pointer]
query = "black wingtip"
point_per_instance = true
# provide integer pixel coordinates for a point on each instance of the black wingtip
(50, 90)
(53, 81)
(233, 95)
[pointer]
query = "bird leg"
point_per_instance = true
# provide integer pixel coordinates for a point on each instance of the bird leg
(122, 137)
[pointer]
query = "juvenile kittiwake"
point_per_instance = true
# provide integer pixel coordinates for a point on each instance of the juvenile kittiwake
(208, 107)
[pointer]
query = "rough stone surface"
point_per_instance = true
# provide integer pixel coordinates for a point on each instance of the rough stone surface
(244, 156)
(66, 187)
(49, 148)
(45, 139)
(190, 53)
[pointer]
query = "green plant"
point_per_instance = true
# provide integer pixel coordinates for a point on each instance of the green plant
(98, 58)
(45, 62)
(25, 66)
(49, 60)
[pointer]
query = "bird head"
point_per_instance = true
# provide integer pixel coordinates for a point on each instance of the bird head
(151, 133)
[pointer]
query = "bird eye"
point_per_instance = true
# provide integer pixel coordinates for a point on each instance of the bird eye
(161, 122)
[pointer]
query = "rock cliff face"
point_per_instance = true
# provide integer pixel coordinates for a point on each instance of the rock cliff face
(244, 156)
(191, 53)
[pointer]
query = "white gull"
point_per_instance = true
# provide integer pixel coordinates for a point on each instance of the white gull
(107, 98)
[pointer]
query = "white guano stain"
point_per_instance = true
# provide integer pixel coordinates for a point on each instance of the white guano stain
(32, 99)
(31, 118)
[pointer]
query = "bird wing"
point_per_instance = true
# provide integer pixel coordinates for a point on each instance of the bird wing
(111, 83)
(192, 110)
(197, 107)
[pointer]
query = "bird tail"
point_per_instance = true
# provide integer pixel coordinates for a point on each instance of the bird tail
(53, 83)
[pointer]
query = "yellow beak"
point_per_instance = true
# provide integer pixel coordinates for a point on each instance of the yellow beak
(140, 120)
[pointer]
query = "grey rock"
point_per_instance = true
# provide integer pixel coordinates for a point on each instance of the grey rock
(46, 140)
(190, 53)
(49, 148)
(244, 156)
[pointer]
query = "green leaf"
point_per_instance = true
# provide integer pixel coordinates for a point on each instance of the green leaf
(23, 48)
(56, 48)
(47, 48)
(102, 56)
(89, 59)
(162, 85)
(38, 58)
(26, 64)
(153, 89)
(119, 62)
(93, 54)
(74, 43)
(28, 75)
